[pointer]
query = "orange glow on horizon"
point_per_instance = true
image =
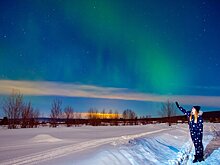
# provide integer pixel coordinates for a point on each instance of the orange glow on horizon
(102, 116)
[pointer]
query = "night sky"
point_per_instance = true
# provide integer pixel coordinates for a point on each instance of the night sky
(112, 54)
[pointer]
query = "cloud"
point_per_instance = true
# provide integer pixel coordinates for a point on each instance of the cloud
(46, 88)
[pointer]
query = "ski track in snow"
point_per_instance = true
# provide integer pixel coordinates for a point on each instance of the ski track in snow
(69, 149)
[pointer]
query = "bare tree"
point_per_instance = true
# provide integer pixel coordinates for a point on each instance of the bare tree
(130, 115)
(110, 111)
(29, 116)
(90, 113)
(56, 112)
(168, 110)
(69, 115)
(116, 114)
(93, 116)
(12, 108)
(93, 113)
(103, 114)
(26, 115)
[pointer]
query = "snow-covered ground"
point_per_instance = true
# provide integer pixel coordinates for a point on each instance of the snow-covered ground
(122, 145)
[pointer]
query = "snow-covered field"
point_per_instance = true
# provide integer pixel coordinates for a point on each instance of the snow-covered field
(122, 145)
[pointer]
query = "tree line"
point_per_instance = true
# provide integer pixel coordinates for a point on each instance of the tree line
(19, 113)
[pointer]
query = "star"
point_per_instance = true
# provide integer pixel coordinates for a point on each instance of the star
(142, 46)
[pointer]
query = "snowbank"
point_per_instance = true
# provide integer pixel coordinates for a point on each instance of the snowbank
(134, 145)
(44, 138)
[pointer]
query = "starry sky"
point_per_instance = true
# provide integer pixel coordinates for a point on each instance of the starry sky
(112, 54)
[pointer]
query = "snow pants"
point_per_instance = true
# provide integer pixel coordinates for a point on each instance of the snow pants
(197, 141)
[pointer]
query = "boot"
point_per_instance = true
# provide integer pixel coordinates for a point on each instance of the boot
(195, 159)
(200, 159)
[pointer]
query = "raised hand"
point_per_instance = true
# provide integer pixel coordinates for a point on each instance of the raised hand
(177, 104)
(182, 109)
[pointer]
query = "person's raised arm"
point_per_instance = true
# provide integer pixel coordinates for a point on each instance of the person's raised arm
(182, 109)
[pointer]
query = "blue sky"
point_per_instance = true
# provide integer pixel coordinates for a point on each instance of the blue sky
(111, 54)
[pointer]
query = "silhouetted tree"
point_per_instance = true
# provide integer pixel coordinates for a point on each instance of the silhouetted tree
(130, 115)
(29, 116)
(94, 118)
(12, 107)
(168, 110)
(26, 115)
(103, 114)
(93, 113)
(69, 115)
(116, 114)
(56, 112)
(116, 117)
(90, 113)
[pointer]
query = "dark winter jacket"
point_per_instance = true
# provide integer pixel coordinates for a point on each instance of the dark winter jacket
(196, 129)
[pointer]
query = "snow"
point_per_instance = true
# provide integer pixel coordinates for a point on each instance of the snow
(117, 145)
(44, 138)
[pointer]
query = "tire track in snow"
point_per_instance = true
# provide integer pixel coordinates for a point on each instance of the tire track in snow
(69, 149)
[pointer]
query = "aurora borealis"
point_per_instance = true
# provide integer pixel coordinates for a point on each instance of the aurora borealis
(137, 49)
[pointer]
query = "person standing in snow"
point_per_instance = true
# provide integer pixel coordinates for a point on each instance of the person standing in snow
(195, 122)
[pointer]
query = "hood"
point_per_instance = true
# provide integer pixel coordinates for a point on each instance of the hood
(200, 113)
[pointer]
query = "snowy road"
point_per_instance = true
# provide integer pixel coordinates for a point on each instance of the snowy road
(151, 144)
